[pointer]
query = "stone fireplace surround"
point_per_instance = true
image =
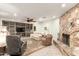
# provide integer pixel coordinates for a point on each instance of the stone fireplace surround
(69, 25)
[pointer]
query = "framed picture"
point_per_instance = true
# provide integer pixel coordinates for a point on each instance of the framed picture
(34, 28)
(45, 28)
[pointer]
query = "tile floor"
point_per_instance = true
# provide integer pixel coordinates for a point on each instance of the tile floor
(48, 51)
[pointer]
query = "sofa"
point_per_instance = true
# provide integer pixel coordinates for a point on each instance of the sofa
(36, 36)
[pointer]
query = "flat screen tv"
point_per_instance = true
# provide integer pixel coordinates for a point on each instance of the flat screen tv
(20, 29)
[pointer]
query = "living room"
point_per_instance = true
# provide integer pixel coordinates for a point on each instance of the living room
(38, 29)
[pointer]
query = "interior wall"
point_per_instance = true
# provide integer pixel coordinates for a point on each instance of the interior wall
(0, 22)
(52, 27)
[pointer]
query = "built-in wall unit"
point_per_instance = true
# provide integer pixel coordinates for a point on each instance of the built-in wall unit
(23, 29)
(69, 30)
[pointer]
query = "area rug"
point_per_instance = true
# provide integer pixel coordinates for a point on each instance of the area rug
(32, 46)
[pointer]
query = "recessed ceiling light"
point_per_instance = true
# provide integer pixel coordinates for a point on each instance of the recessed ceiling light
(40, 19)
(63, 5)
(54, 17)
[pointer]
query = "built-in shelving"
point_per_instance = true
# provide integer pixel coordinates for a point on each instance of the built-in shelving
(26, 28)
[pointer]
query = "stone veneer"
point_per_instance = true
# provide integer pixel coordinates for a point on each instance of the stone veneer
(69, 24)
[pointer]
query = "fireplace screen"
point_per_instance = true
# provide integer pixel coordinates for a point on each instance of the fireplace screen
(65, 38)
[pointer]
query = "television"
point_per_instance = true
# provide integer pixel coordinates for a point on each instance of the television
(20, 29)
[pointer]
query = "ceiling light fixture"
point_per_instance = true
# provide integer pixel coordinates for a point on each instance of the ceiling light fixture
(54, 17)
(63, 5)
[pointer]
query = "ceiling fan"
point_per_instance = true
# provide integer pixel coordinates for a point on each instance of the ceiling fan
(30, 20)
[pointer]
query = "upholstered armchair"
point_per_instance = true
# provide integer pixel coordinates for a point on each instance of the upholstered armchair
(13, 45)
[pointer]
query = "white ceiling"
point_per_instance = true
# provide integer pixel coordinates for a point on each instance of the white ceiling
(36, 10)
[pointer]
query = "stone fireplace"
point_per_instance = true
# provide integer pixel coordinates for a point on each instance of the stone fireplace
(69, 28)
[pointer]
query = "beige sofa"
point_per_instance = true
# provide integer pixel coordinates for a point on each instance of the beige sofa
(36, 36)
